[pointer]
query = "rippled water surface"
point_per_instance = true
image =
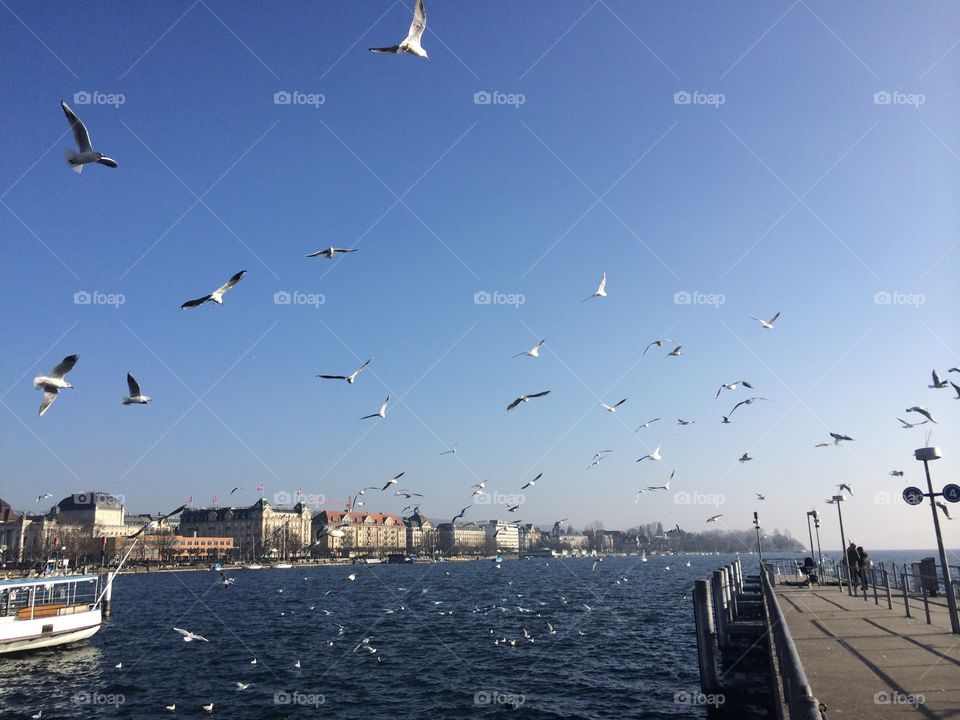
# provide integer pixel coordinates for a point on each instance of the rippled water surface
(435, 656)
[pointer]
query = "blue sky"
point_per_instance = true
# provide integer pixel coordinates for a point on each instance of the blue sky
(812, 173)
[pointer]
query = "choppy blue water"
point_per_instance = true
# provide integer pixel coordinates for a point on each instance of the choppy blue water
(626, 657)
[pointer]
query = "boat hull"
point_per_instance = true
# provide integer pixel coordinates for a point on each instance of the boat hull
(20, 635)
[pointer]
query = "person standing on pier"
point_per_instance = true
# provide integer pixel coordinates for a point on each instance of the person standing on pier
(864, 564)
(853, 564)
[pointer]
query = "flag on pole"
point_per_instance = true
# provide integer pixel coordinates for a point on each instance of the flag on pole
(260, 488)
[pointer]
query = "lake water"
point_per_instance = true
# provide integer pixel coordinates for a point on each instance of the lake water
(626, 657)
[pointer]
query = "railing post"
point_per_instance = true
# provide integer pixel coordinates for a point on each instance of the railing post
(926, 604)
(706, 631)
(734, 610)
(719, 611)
(886, 585)
(873, 578)
(906, 594)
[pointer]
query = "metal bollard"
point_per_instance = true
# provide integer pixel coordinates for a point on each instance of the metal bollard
(734, 610)
(719, 611)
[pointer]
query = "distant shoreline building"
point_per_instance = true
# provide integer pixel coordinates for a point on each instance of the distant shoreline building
(258, 531)
(502, 536)
(465, 538)
(363, 534)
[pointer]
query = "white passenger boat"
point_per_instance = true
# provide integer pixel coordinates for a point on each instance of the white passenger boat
(47, 611)
(283, 566)
(253, 566)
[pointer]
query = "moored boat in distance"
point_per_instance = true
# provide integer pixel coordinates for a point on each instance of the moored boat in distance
(282, 566)
(253, 566)
(49, 611)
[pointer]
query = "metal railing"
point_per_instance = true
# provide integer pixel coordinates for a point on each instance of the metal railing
(797, 694)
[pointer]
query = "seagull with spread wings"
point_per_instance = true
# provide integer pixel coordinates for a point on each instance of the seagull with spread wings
(87, 155)
(217, 295)
(748, 401)
(411, 43)
(732, 386)
(613, 408)
(53, 382)
(655, 455)
(767, 324)
(351, 378)
(658, 342)
(331, 252)
(382, 413)
(526, 398)
(601, 291)
(135, 397)
(533, 482)
(938, 384)
(533, 352)
(923, 411)
(392, 481)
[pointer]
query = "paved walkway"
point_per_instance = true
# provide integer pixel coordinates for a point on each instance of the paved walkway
(865, 661)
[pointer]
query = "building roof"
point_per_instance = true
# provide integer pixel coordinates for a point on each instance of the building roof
(89, 500)
(7, 513)
(341, 517)
(418, 520)
(220, 514)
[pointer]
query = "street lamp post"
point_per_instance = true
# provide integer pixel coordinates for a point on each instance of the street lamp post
(756, 524)
(925, 455)
(816, 526)
(810, 532)
(844, 562)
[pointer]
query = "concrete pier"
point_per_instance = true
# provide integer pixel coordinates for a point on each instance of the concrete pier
(864, 660)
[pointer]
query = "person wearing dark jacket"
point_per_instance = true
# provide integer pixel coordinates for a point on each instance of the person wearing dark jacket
(853, 563)
(864, 564)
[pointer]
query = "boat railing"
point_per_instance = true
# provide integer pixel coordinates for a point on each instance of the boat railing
(45, 599)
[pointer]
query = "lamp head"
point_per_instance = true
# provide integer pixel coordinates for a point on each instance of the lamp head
(928, 453)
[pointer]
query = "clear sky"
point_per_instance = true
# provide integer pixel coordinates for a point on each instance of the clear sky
(812, 170)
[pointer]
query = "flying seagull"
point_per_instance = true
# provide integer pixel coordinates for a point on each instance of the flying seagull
(460, 514)
(597, 457)
(956, 389)
(658, 342)
(896, 473)
(655, 455)
(946, 512)
(923, 411)
(52, 383)
(767, 324)
(844, 486)
(938, 384)
(676, 352)
(217, 295)
(732, 386)
(681, 421)
(135, 397)
(351, 378)
(157, 523)
(907, 425)
(332, 252)
(533, 352)
(838, 438)
(613, 408)
(748, 401)
(601, 289)
(760, 497)
(44, 496)
(646, 425)
(453, 450)
(526, 398)
(412, 42)
(190, 636)
(533, 482)
(382, 412)
(392, 481)
(713, 518)
(87, 154)
(745, 458)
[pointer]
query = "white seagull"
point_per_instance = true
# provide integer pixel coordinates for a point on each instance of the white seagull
(956, 389)
(533, 352)
(601, 289)
(938, 384)
(767, 324)
(332, 252)
(844, 486)
(392, 481)
(943, 506)
(451, 451)
(135, 397)
(666, 486)
(53, 382)
(760, 497)
(412, 42)
(526, 398)
(351, 378)
(87, 154)
(838, 438)
(896, 473)
(613, 408)
(217, 295)
(533, 482)
(923, 411)
(382, 413)
(676, 352)
(658, 342)
(45, 495)
(655, 455)
(713, 518)
(732, 386)
(907, 425)
(190, 636)
(646, 425)
(681, 421)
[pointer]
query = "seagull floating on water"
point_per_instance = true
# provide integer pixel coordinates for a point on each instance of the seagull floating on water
(53, 382)
(217, 295)
(87, 154)
(411, 43)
